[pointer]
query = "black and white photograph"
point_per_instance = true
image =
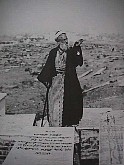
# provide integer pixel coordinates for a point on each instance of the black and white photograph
(61, 82)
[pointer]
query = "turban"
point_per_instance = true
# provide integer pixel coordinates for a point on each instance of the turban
(58, 33)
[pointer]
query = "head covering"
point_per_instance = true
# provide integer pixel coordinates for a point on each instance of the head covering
(58, 33)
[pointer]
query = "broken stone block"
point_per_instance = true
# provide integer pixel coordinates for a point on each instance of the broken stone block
(2, 103)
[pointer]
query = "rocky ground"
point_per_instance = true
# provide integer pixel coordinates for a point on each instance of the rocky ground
(101, 77)
(107, 64)
(21, 62)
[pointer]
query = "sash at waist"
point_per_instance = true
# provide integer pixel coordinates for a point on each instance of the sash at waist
(60, 71)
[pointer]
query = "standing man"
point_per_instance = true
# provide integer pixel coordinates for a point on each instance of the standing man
(59, 75)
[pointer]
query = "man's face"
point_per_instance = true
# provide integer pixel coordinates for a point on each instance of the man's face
(63, 42)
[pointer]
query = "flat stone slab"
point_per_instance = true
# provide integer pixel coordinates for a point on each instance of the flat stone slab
(111, 138)
(14, 124)
(46, 146)
(91, 117)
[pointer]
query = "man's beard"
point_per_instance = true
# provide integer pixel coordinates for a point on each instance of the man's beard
(64, 47)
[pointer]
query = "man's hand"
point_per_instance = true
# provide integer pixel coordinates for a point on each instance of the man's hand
(79, 42)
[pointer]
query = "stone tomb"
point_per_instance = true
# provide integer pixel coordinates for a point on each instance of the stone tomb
(111, 138)
(89, 132)
(91, 117)
(11, 128)
(46, 146)
(14, 124)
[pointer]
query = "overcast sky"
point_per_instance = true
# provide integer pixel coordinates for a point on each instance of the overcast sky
(37, 16)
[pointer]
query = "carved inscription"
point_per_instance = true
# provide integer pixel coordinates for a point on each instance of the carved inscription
(51, 146)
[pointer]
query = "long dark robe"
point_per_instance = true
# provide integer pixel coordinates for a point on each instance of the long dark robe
(73, 100)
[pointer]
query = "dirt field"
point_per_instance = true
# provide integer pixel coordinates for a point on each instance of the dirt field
(20, 63)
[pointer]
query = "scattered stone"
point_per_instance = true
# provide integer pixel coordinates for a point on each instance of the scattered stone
(27, 83)
(111, 75)
(22, 64)
(28, 56)
(12, 86)
(111, 60)
(86, 73)
(98, 86)
(14, 66)
(27, 69)
(39, 66)
(35, 79)
(100, 71)
(113, 81)
(7, 70)
(112, 49)
(98, 56)
(33, 72)
(104, 55)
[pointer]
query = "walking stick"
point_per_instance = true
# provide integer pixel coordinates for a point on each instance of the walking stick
(47, 110)
(45, 104)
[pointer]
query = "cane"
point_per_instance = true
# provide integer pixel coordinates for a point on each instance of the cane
(45, 104)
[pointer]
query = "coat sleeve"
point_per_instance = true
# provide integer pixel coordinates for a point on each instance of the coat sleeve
(77, 55)
(48, 71)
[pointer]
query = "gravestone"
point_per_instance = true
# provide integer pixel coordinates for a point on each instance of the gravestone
(111, 138)
(43, 146)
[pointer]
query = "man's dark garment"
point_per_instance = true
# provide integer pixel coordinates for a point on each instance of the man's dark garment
(73, 100)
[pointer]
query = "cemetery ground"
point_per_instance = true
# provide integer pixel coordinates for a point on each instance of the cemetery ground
(101, 77)
(20, 63)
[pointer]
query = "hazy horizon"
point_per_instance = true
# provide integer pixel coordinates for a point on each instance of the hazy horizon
(81, 16)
